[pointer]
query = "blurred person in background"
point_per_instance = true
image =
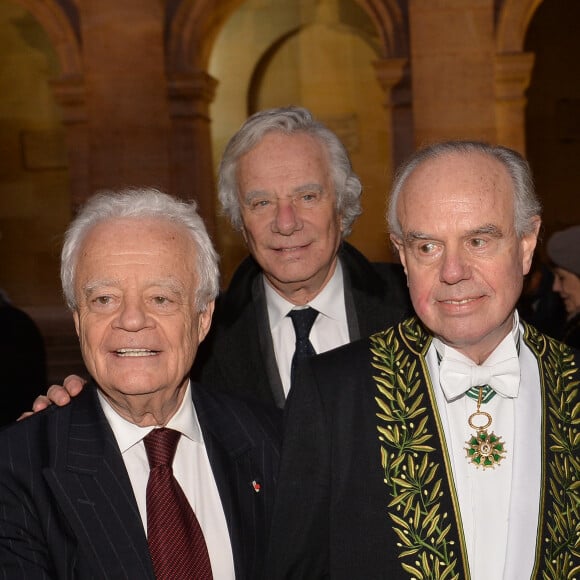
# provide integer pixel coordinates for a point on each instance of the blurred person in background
(564, 252)
(539, 304)
(22, 360)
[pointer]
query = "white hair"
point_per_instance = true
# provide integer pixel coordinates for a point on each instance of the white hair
(139, 203)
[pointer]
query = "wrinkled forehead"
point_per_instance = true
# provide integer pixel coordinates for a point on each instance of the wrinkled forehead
(136, 232)
(155, 245)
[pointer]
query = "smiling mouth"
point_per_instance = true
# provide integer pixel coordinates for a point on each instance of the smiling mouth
(292, 248)
(135, 352)
(458, 302)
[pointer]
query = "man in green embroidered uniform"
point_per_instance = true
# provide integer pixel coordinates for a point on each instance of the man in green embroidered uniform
(446, 446)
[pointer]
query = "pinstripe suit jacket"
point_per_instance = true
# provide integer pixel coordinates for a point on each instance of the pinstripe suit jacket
(67, 508)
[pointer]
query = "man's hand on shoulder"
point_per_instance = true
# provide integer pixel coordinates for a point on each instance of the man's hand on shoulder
(57, 394)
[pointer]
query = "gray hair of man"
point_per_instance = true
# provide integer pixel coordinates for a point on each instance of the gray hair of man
(289, 121)
(526, 203)
(138, 203)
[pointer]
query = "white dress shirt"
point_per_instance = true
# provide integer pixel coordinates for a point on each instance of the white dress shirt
(192, 470)
(499, 506)
(330, 329)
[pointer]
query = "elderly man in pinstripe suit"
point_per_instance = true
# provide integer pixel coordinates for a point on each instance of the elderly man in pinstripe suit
(140, 276)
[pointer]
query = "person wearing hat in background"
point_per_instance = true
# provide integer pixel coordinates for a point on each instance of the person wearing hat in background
(564, 251)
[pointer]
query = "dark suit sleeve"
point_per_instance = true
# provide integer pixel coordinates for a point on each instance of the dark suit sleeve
(299, 534)
(67, 509)
(23, 548)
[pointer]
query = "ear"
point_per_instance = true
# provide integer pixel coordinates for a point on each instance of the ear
(339, 219)
(76, 321)
(244, 234)
(528, 244)
(398, 243)
(204, 321)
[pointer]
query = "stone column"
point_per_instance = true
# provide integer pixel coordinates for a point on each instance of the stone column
(192, 170)
(124, 69)
(394, 76)
(513, 73)
(452, 53)
(69, 93)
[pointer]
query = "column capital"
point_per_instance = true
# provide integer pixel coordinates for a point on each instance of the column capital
(513, 72)
(190, 94)
(391, 71)
(69, 92)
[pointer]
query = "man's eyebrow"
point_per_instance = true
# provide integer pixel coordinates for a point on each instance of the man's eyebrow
(413, 235)
(254, 193)
(486, 229)
(172, 284)
(94, 285)
(309, 187)
(262, 193)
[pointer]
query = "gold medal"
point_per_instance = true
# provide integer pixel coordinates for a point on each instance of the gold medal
(485, 450)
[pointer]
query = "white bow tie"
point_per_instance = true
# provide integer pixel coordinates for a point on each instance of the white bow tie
(457, 377)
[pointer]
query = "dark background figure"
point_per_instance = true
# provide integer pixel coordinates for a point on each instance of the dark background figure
(22, 360)
(564, 251)
(539, 304)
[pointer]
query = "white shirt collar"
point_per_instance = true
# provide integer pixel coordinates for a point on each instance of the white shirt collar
(328, 301)
(128, 434)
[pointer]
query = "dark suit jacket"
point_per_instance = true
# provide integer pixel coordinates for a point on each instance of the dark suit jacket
(365, 490)
(239, 355)
(67, 509)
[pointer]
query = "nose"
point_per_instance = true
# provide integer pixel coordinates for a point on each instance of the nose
(455, 267)
(557, 285)
(132, 315)
(286, 221)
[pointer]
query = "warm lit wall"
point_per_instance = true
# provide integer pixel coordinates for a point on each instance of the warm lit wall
(553, 112)
(128, 92)
(34, 189)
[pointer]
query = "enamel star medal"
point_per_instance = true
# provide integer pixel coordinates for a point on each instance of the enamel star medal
(485, 450)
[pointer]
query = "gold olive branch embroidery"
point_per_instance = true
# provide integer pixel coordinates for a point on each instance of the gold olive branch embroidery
(561, 546)
(415, 490)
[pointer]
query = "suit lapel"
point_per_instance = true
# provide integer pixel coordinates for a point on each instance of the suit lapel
(364, 293)
(266, 343)
(373, 300)
(557, 552)
(92, 488)
(233, 458)
(241, 333)
(425, 515)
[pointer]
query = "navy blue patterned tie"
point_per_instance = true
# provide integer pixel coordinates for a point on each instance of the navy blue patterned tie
(176, 542)
(302, 320)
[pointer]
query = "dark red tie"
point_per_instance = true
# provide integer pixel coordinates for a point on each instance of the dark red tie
(176, 542)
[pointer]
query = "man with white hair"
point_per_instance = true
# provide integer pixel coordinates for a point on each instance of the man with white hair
(145, 474)
(286, 183)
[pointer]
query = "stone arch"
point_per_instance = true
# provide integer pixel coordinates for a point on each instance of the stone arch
(60, 31)
(391, 26)
(194, 25)
(60, 22)
(192, 31)
(513, 22)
